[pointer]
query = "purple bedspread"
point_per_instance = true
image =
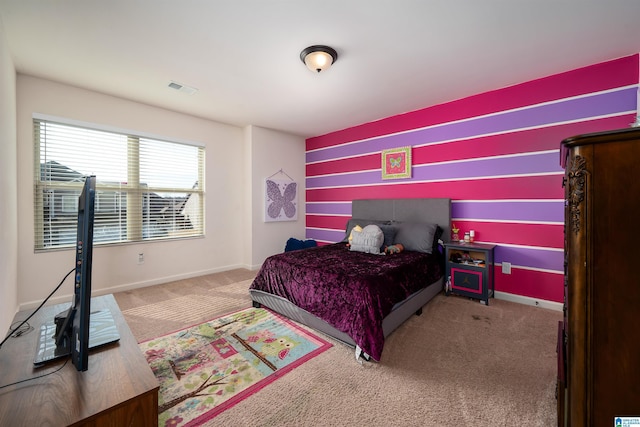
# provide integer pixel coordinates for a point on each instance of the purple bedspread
(352, 291)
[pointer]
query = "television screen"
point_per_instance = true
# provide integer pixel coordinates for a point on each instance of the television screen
(76, 330)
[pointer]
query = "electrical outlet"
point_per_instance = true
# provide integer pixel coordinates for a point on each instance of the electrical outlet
(140, 258)
(506, 267)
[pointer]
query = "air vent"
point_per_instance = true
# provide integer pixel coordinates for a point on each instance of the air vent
(182, 88)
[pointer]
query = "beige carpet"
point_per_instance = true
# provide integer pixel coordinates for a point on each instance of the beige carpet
(459, 364)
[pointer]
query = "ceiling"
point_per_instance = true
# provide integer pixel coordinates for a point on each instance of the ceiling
(243, 55)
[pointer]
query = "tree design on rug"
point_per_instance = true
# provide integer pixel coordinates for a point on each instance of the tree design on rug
(271, 345)
(194, 393)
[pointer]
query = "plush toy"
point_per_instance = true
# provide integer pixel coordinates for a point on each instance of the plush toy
(394, 249)
(356, 228)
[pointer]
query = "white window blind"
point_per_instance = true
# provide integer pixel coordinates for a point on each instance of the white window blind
(146, 188)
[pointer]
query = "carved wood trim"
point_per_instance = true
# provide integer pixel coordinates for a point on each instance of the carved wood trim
(577, 188)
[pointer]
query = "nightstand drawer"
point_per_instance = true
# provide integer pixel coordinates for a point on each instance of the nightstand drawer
(466, 280)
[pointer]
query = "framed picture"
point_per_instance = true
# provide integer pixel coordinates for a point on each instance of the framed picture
(396, 163)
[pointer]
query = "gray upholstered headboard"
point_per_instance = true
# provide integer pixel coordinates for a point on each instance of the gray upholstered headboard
(437, 210)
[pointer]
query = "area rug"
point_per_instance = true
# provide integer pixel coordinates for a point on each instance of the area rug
(209, 367)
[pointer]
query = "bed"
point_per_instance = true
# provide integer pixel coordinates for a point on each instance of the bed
(355, 297)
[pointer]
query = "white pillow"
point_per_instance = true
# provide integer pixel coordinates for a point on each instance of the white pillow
(368, 240)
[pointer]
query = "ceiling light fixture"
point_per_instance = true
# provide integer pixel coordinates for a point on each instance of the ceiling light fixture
(318, 58)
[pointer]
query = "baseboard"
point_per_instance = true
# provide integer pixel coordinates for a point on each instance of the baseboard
(161, 280)
(536, 302)
(136, 285)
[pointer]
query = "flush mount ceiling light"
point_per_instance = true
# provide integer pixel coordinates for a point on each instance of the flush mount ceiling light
(318, 58)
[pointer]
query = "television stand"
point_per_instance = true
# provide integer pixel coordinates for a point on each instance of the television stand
(119, 387)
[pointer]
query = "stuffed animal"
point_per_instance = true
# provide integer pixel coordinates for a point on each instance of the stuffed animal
(394, 249)
(358, 229)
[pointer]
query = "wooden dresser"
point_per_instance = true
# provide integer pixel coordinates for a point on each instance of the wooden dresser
(599, 338)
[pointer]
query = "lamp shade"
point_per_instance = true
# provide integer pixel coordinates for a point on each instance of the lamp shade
(318, 58)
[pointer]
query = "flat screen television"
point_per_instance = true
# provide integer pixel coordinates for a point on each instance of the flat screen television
(76, 330)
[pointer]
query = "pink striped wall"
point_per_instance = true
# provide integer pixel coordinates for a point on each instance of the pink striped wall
(496, 155)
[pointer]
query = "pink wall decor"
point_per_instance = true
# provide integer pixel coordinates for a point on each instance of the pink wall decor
(396, 163)
(281, 200)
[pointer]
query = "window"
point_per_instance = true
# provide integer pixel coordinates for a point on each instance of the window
(146, 188)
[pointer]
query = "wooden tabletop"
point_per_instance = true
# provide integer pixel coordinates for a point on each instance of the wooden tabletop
(117, 373)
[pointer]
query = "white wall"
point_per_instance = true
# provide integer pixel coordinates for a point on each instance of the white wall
(237, 162)
(270, 152)
(115, 268)
(8, 194)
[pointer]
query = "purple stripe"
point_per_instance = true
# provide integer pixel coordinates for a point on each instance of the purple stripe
(344, 180)
(537, 163)
(325, 235)
(519, 165)
(329, 208)
(574, 109)
(534, 258)
(510, 211)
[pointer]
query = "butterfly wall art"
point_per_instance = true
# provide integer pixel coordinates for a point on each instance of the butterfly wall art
(281, 201)
(396, 163)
